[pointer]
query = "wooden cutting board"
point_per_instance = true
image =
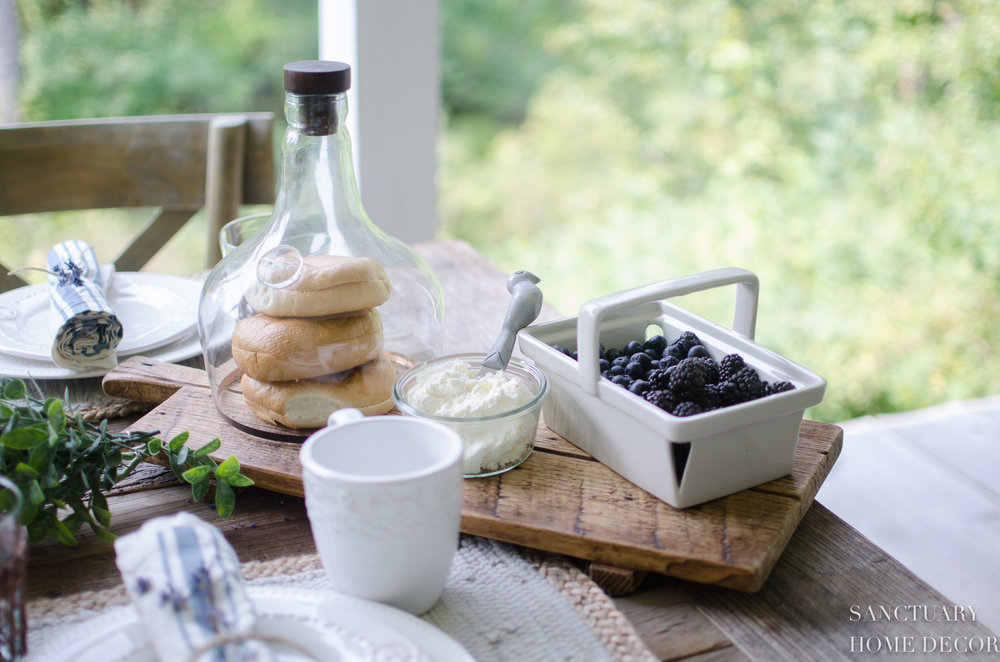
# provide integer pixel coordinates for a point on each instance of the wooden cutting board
(559, 500)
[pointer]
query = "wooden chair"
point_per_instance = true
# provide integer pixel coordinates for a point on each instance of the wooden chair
(176, 163)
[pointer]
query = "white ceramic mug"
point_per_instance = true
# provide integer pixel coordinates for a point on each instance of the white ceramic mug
(384, 499)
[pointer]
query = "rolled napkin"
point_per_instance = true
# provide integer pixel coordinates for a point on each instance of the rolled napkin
(184, 579)
(88, 331)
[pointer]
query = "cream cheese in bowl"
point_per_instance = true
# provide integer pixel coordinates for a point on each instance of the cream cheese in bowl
(496, 414)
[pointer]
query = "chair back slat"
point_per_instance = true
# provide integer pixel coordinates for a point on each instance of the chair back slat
(175, 163)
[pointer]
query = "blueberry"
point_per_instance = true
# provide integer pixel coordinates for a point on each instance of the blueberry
(635, 370)
(559, 348)
(652, 353)
(633, 347)
(677, 350)
(622, 380)
(654, 364)
(668, 361)
(616, 370)
(697, 350)
(604, 364)
(656, 343)
(575, 355)
(612, 354)
(620, 360)
(688, 339)
(639, 386)
(641, 357)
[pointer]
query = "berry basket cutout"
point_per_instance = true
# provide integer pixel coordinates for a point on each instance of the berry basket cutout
(683, 461)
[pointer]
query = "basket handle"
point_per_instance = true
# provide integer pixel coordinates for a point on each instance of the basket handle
(588, 323)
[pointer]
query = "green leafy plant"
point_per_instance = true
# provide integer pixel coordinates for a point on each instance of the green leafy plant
(65, 465)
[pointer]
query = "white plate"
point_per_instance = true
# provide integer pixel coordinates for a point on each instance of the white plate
(329, 626)
(154, 309)
(13, 366)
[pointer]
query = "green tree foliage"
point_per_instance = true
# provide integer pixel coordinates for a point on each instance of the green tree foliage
(493, 54)
(845, 151)
(106, 58)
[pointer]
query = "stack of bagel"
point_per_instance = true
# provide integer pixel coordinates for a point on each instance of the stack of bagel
(316, 345)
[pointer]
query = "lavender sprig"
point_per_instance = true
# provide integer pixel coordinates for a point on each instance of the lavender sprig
(70, 274)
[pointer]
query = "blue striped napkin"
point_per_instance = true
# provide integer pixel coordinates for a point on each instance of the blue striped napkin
(89, 332)
(185, 581)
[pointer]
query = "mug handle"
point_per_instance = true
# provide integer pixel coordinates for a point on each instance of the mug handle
(345, 415)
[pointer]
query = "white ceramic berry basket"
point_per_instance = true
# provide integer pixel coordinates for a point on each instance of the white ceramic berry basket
(681, 460)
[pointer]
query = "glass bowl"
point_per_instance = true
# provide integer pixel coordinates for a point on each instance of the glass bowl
(495, 442)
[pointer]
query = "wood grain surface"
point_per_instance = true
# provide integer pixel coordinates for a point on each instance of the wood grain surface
(174, 164)
(559, 500)
(801, 613)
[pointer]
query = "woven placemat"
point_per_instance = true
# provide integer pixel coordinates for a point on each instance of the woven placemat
(501, 603)
(111, 409)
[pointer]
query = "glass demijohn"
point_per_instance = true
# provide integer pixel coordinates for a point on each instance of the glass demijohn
(318, 212)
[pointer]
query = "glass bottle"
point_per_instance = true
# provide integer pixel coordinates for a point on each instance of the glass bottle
(318, 211)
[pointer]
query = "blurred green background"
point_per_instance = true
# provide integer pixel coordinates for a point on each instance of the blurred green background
(846, 151)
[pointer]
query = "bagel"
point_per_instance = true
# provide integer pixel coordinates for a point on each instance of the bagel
(308, 402)
(284, 348)
(327, 285)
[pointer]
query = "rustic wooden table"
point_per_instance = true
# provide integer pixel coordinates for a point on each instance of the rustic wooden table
(832, 594)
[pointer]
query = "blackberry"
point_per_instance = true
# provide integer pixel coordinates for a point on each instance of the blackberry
(686, 408)
(778, 387)
(659, 379)
(729, 365)
(681, 377)
(748, 384)
(661, 398)
(725, 392)
(707, 399)
(712, 371)
(688, 377)
(688, 339)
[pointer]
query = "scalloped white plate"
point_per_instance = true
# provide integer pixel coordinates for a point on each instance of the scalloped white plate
(14, 366)
(317, 624)
(154, 309)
